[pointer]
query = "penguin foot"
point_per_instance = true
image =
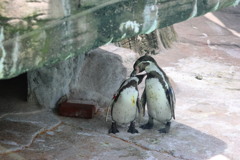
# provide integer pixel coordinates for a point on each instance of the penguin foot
(132, 128)
(113, 128)
(166, 129)
(147, 126)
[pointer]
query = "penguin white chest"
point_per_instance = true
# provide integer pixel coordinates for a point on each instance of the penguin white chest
(157, 102)
(125, 108)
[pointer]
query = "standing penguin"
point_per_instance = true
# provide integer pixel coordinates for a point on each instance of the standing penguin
(125, 104)
(158, 93)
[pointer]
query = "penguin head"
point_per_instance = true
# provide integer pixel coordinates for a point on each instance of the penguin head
(141, 64)
(137, 78)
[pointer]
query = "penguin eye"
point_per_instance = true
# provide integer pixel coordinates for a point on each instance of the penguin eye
(142, 66)
(145, 64)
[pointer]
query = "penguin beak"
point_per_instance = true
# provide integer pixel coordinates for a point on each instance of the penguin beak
(134, 72)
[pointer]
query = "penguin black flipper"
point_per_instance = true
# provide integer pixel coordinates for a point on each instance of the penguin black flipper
(118, 91)
(171, 99)
(140, 110)
(139, 105)
(116, 95)
(143, 101)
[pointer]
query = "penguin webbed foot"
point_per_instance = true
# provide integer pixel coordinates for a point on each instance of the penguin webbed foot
(166, 128)
(113, 128)
(132, 128)
(148, 125)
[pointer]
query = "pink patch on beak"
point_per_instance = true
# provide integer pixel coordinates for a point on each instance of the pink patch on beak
(137, 70)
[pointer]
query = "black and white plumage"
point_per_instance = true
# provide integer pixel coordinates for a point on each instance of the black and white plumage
(126, 104)
(158, 93)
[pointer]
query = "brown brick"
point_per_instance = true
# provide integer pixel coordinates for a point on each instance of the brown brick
(73, 109)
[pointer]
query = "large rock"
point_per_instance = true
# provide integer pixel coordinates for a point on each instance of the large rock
(44, 32)
(93, 77)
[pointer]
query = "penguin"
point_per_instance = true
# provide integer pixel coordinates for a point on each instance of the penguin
(125, 104)
(158, 93)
